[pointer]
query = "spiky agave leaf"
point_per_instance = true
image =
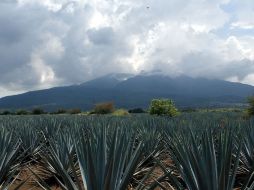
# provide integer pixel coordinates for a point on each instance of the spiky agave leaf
(108, 164)
(247, 156)
(30, 138)
(248, 147)
(205, 165)
(9, 157)
(59, 160)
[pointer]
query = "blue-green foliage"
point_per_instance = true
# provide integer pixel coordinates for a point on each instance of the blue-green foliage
(206, 150)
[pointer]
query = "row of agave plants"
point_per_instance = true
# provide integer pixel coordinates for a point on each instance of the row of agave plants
(193, 151)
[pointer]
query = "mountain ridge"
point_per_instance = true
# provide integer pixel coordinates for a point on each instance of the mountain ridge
(130, 91)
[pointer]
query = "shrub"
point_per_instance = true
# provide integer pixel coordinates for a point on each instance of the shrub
(250, 109)
(104, 108)
(6, 112)
(61, 111)
(75, 111)
(22, 112)
(137, 110)
(163, 107)
(121, 112)
(37, 111)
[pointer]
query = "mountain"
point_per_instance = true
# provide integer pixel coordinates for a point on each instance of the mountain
(131, 91)
(108, 81)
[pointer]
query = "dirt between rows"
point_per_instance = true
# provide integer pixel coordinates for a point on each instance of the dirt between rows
(31, 183)
(28, 176)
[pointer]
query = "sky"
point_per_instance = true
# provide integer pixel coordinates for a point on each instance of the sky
(62, 42)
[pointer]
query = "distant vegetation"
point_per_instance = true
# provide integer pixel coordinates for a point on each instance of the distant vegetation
(250, 109)
(120, 112)
(137, 110)
(22, 112)
(61, 111)
(164, 107)
(37, 111)
(160, 107)
(6, 112)
(104, 108)
(75, 111)
(188, 110)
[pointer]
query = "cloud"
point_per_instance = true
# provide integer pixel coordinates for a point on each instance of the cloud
(243, 25)
(61, 42)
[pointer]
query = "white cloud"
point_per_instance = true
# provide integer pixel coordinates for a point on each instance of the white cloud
(61, 42)
(45, 73)
(238, 48)
(249, 79)
(243, 25)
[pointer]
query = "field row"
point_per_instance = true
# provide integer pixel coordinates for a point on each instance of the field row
(198, 151)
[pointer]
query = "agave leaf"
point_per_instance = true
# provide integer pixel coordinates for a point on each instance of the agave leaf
(201, 165)
(108, 161)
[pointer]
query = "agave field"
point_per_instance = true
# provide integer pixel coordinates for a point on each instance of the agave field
(197, 151)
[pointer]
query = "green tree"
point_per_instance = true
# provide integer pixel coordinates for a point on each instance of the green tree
(163, 107)
(6, 112)
(37, 111)
(250, 109)
(22, 112)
